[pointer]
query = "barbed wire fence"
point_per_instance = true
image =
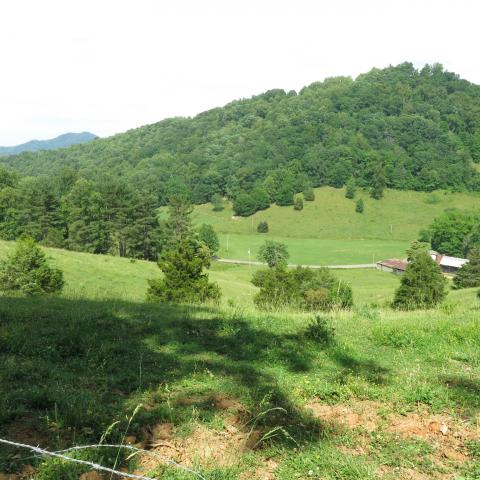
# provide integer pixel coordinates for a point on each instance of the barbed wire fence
(95, 466)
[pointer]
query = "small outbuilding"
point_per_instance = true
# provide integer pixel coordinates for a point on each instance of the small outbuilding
(448, 265)
(393, 265)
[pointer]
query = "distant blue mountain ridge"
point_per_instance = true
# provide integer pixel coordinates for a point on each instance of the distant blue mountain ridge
(61, 141)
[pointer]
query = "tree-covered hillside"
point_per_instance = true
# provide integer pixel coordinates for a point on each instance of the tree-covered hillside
(418, 128)
(398, 127)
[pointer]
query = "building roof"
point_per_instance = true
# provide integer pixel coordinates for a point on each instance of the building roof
(447, 261)
(394, 263)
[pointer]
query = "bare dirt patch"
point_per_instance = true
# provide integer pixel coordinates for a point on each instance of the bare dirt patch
(447, 436)
(360, 414)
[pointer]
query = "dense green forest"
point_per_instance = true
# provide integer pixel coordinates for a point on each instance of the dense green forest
(398, 127)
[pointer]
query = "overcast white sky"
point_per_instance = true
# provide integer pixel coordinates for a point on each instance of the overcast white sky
(109, 65)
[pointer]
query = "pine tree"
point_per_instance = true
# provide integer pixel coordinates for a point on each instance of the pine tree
(469, 275)
(179, 223)
(27, 271)
(350, 189)
(422, 285)
(379, 183)
(183, 279)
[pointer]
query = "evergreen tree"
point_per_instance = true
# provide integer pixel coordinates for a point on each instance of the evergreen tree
(208, 236)
(379, 183)
(469, 274)
(350, 189)
(422, 285)
(359, 207)
(144, 235)
(179, 223)
(27, 271)
(183, 279)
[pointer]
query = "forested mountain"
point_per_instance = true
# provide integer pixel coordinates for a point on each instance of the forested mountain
(61, 141)
(398, 127)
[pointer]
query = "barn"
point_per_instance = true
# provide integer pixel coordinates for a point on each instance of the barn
(393, 265)
(448, 265)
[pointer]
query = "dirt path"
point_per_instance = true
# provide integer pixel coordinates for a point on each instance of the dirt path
(246, 262)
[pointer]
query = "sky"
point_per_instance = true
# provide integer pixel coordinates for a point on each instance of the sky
(106, 66)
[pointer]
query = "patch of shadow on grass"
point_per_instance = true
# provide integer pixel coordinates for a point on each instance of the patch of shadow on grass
(370, 370)
(79, 365)
(466, 390)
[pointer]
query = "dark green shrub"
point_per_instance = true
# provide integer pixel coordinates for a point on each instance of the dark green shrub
(27, 271)
(308, 194)
(262, 227)
(320, 330)
(298, 204)
(244, 205)
(359, 206)
(300, 288)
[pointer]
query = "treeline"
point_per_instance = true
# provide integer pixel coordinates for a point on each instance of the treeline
(398, 127)
(103, 215)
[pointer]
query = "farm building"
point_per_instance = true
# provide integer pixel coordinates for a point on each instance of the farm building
(393, 265)
(448, 265)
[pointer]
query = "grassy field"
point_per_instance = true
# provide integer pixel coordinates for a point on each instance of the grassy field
(108, 277)
(234, 393)
(329, 231)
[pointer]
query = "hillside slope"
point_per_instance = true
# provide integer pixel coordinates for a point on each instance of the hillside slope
(328, 231)
(413, 129)
(233, 393)
(62, 141)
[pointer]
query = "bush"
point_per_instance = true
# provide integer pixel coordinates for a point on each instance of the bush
(359, 206)
(308, 194)
(320, 330)
(422, 285)
(27, 271)
(300, 288)
(262, 227)
(298, 204)
(184, 280)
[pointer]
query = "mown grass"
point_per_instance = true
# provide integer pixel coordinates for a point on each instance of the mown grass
(329, 231)
(72, 366)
